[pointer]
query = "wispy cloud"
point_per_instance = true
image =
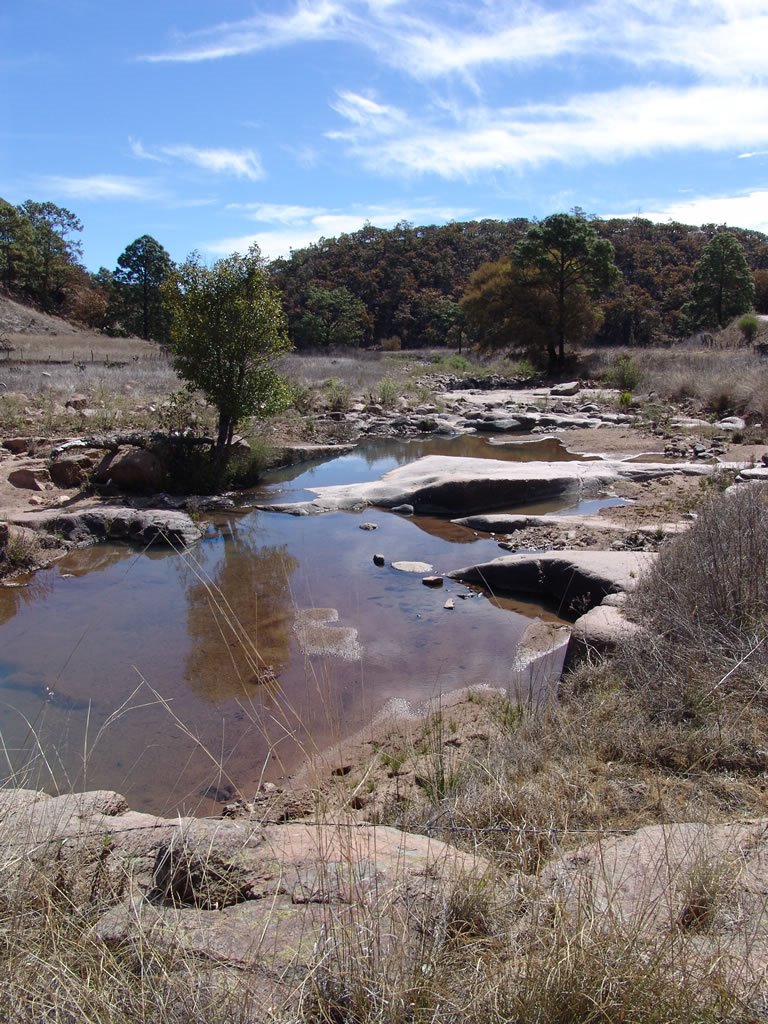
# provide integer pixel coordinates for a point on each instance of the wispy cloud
(714, 39)
(301, 225)
(103, 186)
(239, 163)
(139, 150)
(367, 114)
(597, 126)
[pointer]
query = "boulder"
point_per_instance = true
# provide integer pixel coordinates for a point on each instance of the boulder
(70, 470)
(599, 631)
(566, 389)
(131, 469)
(30, 478)
(17, 445)
(149, 526)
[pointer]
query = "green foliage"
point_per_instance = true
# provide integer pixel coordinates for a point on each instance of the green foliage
(228, 329)
(141, 272)
(748, 325)
(722, 286)
(543, 296)
(338, 395)
(564, 264)
(386, 393)
(332, 316)
(392, 344)
(625, 374)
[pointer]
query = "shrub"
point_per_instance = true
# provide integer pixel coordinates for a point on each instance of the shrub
(387, 393)
(704, 606)
(748, 325)
(392, 344)
(338, 395)
(625, 373)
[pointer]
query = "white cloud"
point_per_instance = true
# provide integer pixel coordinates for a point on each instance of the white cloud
(746, 210)
(242, 163)
(277, 213)
(592, 127)
(300, 226)
(139, 150)
(103, 186)
(714, 39)
(367, 114)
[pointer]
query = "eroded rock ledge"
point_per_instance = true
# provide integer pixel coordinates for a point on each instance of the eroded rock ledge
(446, 485)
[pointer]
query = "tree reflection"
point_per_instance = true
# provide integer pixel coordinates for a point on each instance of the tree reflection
(240, 620)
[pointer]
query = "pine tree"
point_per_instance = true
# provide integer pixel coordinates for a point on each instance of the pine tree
(723, 286)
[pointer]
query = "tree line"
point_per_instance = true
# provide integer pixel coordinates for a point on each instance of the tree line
(566, 279)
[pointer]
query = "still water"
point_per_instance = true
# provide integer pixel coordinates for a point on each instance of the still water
(162, 675)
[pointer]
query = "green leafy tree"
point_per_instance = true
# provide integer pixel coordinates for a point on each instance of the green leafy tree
(723, 286)
(567, 266)
(332, 316)
(53, 252)
(141, 271)
(227, 330)
(16, 245)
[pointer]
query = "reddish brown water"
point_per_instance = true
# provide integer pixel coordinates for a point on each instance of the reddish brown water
(122, 670)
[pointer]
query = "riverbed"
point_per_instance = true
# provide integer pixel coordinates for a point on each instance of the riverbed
(182, 679)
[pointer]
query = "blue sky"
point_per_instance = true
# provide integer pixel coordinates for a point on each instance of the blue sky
(210, 124)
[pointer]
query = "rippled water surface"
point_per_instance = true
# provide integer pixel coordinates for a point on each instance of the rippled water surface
(143, 672)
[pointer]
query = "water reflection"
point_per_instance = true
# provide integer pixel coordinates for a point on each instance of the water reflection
(239, 619)
(178, 664)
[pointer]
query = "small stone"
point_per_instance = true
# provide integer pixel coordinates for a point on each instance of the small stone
(379, 559)
(420, 567)
(432, 581)
(404, 510)
(449, 604)
(368, 526)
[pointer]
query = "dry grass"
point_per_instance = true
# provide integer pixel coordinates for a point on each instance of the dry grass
(721, 382)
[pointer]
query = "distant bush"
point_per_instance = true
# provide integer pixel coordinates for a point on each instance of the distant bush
(748, 325)
(386, 393)
(625, 374)
(392, 344)
(338, 395)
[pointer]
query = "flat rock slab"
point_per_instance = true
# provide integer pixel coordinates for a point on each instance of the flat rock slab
(234, 892)
(576, 580)
(443, 484)
(501, 523)
(117, 523)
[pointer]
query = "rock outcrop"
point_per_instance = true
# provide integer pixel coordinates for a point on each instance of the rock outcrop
(459, 486)
(575, 580)
(104, 522)
(233, 893)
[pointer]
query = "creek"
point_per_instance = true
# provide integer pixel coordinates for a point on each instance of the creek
(172, 677)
